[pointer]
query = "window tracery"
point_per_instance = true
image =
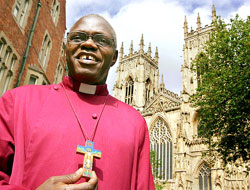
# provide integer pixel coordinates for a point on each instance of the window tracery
(205, 178)
(161, 144)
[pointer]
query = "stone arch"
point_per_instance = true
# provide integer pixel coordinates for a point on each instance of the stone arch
(159, 116)
(166, 126)
(161, 143)
(199, 166)
(128, 77)
(217, 186)
(180, 187)
(203, 173)
(148, 80)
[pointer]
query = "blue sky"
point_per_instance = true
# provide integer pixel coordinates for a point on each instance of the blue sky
(160, 21)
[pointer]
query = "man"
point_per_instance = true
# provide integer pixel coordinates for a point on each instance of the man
(41, 126)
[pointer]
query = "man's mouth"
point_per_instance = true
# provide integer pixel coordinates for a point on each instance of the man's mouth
(87, 57)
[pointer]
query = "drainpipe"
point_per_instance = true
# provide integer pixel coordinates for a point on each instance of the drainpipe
(29, 42)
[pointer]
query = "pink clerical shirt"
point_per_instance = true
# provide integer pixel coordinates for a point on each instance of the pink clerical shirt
(39, 134)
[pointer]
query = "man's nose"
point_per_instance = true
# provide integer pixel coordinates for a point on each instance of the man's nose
(89, 44)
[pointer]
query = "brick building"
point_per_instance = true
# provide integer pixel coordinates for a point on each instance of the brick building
(31, 42)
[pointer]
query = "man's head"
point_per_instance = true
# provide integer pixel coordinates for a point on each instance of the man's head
(91, 49)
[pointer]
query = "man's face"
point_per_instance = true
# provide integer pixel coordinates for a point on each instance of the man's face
(88, 61)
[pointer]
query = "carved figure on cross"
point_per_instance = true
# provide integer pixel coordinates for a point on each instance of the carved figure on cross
(89, 153)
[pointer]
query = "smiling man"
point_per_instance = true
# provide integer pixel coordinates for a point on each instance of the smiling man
(90, 62)
(45, 130)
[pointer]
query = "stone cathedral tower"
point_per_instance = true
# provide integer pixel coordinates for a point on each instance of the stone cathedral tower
(137, 76)
(194, 41)
(172, 122)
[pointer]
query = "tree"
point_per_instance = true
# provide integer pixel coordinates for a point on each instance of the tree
(155, 165)
(222, 96)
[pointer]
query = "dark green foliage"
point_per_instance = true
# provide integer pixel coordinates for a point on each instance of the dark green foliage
(223, 96)
(155, 165)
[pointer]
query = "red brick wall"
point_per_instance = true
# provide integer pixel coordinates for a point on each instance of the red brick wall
(19, 38)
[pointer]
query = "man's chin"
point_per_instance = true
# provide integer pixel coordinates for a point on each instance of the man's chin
(85, 78)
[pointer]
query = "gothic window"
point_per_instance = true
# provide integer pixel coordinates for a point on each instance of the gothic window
(55, 10)
(147, 90)
(205, 178)
(129, 91)
(59, 74)
(45, 51)
(161, 144)
(20, 11)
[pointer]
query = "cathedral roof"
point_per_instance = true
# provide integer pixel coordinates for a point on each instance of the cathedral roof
(164, 101)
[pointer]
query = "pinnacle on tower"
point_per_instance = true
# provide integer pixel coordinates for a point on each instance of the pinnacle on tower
(131, 48)
(185, 26)
(198, 23)
(214, 14)
(149, 50)
(121, 52)
(142, 44)
(156, 55)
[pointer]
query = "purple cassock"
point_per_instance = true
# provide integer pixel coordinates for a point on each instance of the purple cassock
(39, 134)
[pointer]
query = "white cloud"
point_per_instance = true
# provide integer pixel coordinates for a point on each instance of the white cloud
(243, 12)
(160, 21)
(161, 24)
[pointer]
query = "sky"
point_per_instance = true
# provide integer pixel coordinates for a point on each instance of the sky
(160, 22)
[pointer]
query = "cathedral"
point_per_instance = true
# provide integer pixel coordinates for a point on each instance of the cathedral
(172, 122)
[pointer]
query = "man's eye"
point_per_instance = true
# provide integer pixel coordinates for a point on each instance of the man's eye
(76, 38)
(103, 41)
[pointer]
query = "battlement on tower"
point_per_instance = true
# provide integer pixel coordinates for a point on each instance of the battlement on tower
(192, 33)
(140, 53)
(188, 34)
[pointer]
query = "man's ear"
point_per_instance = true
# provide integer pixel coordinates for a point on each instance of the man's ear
(114, 57)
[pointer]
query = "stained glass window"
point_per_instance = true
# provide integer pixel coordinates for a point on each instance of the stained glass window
(161, 144)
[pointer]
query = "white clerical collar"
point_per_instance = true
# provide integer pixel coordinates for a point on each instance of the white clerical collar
(87, 88)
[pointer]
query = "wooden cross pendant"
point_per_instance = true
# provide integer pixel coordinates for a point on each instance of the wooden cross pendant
(89, 152)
